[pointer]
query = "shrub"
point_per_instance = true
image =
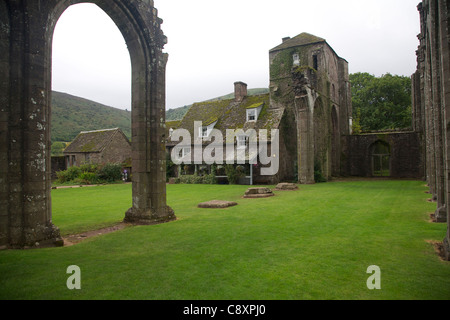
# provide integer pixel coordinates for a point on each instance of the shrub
(87, 167)
(196, 179)
(110, 172)
(88, 178)
(68, 175)
(234, 173)
(318, 176)
(91, 174)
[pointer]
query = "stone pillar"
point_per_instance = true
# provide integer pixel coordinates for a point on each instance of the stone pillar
(304, 114)
(148, 143)
(26, 33)
(435, 100)
(4, 123)
(444, 10)
(26, 214)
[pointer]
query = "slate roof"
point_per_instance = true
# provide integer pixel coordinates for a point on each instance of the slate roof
(230, 114)
(93, 141)
(174, 124)
(301, 40)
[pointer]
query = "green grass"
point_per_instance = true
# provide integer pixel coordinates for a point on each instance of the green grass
(314, 243)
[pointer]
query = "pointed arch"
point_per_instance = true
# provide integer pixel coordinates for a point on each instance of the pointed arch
(28, 125)
(380, 155)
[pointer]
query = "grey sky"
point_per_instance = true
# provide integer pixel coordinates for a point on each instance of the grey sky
(214, 43)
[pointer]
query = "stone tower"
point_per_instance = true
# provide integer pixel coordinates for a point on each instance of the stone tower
(311, 82)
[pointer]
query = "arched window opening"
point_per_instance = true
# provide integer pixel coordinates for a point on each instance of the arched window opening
(381, 159)
(91, 84)
(90, 58)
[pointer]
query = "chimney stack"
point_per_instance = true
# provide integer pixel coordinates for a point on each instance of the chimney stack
(286, 39)
(240, 91)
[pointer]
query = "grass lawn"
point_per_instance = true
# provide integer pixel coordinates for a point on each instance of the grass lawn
(314, 243)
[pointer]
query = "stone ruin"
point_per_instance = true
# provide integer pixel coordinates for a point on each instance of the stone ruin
(26, 33)
(286, 186)
(260, 192)
(217, 204)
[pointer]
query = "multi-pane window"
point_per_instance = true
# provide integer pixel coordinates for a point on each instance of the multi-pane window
(184, 151)
(251, 115)
(242, 141)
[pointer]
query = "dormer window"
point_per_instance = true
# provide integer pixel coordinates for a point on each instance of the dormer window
(251, 115)
(253, 112)
(204, 132)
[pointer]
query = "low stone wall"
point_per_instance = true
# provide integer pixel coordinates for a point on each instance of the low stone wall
(406, 156)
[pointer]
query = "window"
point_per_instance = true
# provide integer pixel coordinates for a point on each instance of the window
(204, 132)
(184, 151)
(315, 62)
(296, 59)
(251, 115)
(381, 158)
(242, 142)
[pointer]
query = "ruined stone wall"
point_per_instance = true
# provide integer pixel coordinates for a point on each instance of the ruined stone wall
(431, 103)
(405, 154)
(309, 90)
(26, 33)
(4, 118)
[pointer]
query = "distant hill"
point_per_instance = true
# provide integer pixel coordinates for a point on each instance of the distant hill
(178, 113)
(71, 115)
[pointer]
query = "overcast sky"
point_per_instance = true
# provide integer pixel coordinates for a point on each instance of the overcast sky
(212, 44)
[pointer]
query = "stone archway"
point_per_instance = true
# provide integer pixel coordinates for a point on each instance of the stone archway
(25, 114)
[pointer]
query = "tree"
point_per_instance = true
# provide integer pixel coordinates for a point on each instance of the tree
(383, 102)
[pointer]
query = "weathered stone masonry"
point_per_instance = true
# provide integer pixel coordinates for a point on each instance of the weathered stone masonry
(311, 83)
(26, 32)
(431, 103)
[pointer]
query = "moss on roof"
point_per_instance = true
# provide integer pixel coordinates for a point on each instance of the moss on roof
(255, 105)
(207, 112)
(230, 114)
(299, 40)
(173, 124)
(93, 141)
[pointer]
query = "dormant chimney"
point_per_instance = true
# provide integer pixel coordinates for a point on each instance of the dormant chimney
(240, 91)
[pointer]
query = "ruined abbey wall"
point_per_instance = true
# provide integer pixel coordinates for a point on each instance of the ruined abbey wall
(431, 104)
(26, 33)
(311, 82)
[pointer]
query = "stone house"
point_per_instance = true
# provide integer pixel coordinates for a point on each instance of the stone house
(98, 147)
(243, 115)
(309, 103)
